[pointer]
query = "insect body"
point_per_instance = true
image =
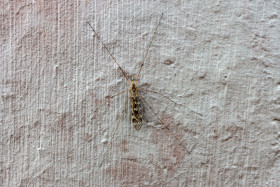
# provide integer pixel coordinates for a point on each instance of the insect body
(136, 111)
(134, 96)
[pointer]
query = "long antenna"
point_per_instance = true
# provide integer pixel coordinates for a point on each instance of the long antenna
(148, 48)
(99, 38)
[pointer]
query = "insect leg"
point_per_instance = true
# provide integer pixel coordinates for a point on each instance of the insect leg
(114, 59)
(167, 99)
(115, 130)
(111, 97)
(158, 94)
(97, 110)
(148, 48)
(163, 124)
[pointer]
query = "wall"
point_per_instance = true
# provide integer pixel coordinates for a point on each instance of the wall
(217, 60)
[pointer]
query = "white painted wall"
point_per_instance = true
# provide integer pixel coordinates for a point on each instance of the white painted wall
(217, 58)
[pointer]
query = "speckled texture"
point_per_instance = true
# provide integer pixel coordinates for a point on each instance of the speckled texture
(219, 60)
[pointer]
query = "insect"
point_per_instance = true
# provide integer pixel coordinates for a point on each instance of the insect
(134, 95)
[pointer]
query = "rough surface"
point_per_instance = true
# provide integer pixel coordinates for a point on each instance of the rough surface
(218, 60)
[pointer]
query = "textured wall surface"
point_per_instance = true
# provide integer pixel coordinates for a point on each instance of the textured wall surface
(218, 60)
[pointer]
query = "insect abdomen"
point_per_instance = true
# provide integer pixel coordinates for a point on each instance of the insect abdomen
(136, 112)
